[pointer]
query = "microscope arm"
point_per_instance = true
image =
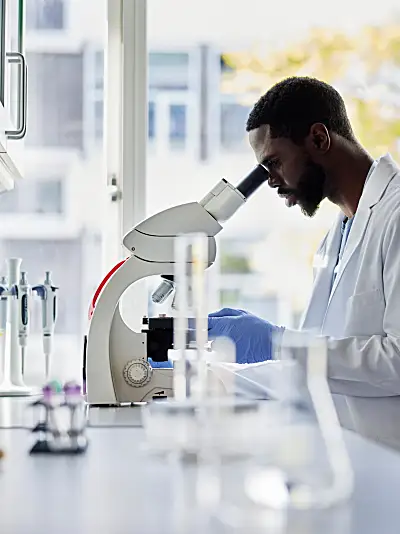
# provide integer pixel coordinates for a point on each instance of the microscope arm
(153, 239)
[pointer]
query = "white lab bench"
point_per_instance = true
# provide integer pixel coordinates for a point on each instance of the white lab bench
(118, 488)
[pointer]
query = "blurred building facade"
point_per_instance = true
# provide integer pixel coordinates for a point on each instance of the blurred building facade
(196, 133)
(50, 220)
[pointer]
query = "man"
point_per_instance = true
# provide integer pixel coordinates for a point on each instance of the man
(299, 130)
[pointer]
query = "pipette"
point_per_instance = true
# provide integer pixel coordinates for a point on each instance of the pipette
(22, 292)
(48, 293)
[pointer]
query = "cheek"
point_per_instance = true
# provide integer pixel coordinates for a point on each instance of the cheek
(294, 171)
(290, 176)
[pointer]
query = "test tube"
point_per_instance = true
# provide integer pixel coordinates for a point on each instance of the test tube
(191, 260)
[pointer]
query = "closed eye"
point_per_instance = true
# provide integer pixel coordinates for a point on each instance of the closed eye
(272, 163)
(275, 163)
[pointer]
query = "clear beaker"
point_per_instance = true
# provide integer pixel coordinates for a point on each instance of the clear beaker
(295, 459)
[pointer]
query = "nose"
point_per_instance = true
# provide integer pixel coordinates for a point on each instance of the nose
(274, 181)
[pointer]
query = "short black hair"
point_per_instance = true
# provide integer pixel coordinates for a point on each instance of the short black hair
(294, 104)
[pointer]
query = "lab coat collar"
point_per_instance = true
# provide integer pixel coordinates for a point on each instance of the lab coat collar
(377, 183)
(374, 190)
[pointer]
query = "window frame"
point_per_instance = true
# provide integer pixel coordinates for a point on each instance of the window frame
(125, 129)
(126, 97)
(125, 106)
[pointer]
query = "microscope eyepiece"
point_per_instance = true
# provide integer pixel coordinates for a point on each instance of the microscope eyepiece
(252, 182)
(224, 199)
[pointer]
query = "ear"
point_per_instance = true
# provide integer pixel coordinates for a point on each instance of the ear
(318, 140)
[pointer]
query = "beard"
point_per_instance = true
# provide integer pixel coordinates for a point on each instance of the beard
(310, 190)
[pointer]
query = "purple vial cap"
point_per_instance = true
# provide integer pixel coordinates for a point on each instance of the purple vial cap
(47, 390)
(72, 388)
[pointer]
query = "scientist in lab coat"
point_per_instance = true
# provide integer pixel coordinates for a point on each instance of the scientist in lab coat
(299, 130)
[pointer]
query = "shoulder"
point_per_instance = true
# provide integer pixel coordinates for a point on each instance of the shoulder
(393, 189)
(387, 210)
(392, 192)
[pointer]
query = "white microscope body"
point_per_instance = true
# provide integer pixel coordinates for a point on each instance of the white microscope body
(117, 370)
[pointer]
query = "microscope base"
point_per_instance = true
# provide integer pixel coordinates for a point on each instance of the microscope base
(159, 387)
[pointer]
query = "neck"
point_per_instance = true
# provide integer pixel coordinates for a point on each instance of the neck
(348, 175)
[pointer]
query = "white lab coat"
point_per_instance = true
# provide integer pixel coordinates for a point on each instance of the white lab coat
(361, 315)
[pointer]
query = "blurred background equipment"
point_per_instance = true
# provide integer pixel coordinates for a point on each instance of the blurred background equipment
(201, 85)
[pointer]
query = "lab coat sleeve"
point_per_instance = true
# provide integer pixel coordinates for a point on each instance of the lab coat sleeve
(370, 366)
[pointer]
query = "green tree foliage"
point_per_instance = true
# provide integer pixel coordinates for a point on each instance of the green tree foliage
(234, 264)
(364, 66)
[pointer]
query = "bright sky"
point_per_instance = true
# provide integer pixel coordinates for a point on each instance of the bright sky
(235, 21)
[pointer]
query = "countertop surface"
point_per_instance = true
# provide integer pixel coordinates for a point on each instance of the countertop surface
(118, 487)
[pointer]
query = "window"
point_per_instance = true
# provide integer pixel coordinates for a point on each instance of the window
(99, 70)
(169, 59)
(169, 70)
(152, 120)
(45, 14)
(98, 119)
(172, 124)
(233, 126)
(55, 95)
(93, 91)
(177, 128)
(34, 197)
(9, 200)
(49, 196)
(173, 98)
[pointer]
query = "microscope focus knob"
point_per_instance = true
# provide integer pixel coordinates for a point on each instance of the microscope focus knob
(137, 373)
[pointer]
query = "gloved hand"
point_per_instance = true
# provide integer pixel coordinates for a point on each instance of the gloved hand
(252, 336)
(160, 365)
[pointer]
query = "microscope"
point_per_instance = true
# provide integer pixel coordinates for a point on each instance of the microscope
(116, 369)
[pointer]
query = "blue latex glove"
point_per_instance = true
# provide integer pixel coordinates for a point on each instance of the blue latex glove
(251, 335)
(160, 365)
